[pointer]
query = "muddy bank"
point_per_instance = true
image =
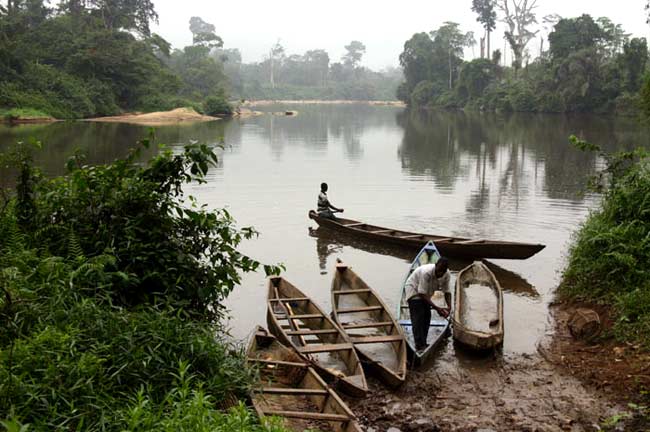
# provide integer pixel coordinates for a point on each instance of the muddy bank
(161, 118)
(27, 120)
(323, 102)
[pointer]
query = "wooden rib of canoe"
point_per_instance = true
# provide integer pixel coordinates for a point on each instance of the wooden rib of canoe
(292, 389)
(364, 317)
(438, 327)
(456, 247)
(300, 323)
(481, 328)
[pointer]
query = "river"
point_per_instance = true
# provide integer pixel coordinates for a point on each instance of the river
(510, 177)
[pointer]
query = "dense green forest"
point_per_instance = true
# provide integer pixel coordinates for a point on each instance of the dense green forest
(585, 64)
(85, 58)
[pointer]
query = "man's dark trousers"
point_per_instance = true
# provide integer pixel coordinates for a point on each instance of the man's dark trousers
(420, 319)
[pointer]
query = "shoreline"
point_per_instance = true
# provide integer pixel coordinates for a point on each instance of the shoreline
(264, 102)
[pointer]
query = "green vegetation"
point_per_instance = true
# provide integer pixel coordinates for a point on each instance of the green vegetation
(22, 113)
(590, 66)
(93, 58)
(609, 259)
(111, 299)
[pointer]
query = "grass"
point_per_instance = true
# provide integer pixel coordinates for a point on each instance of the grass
(22, 113)
(608, 262)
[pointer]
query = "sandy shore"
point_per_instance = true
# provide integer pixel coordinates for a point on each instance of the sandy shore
(161, 118)
(323, 102)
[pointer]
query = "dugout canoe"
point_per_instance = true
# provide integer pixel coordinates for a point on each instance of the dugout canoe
(363, 316)
(478, 308)
(457, 247)
(438, 327)
(292, 389)
(300, 323)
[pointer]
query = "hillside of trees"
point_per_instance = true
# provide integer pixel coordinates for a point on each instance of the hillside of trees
(589, 65)
(83, 58)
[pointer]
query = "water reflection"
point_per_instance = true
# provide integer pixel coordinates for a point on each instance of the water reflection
(330, 242)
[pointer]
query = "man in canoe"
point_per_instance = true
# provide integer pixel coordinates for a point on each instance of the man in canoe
(325, 208)
(420, 287)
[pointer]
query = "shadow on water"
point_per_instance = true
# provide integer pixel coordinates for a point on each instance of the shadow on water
(329, 243)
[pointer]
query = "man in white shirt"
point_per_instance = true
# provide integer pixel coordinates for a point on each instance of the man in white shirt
(324, 206)
(419, 288)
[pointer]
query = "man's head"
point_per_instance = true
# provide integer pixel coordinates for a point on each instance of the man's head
(323, 187)
(442, 265)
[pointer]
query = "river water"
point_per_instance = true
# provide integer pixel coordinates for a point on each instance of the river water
(510, 177)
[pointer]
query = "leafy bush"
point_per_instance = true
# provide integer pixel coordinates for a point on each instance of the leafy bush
(608, 260)
(105, 324)
(422, 94)
(217, 106)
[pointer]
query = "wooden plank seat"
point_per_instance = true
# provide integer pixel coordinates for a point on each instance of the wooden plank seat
(359, 309)
(278, 362)
(352, 291)
(308, 415)
(383, 231)
(306, 316)
(353, 225)
(325, 348)
(467, 242)
(308, 332)
(409, 236)
(293, 391)
(368, 325)
(296, 299)
(377, 339)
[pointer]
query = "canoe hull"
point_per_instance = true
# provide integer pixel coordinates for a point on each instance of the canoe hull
(455, 247)
(349, 288)
(479, 340)
(351, 382)
(438, 327)
(295, 383)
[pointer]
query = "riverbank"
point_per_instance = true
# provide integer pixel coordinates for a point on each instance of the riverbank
(24, 116)
(265, 102)
(160, 118)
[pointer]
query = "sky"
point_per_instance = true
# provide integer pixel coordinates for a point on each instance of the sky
(383, 26)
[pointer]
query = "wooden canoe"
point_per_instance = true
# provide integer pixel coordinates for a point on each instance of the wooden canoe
(478, 309)
(291, 388)
(364, 317)
(300, 323)
(448, 246)
(439, 326)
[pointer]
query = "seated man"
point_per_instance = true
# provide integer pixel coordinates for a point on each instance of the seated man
(419, 288)
(324, 206)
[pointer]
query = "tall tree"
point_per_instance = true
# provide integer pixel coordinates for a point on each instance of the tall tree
(573, 34)
(355, 51)
(519, 17)
(452, 40)
(203, 33)
(276, 55)
(416, 60)
(133, 15)
(487, 16)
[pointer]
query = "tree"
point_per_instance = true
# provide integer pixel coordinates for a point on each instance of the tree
(355, 51)
(276, 55)
(203, 33)
(519, 16)
(115, 14)
(614, 35)
(452, 40)
(573, 34)
(486, 16)
(318, 64)
(633, 62)
(416, 60)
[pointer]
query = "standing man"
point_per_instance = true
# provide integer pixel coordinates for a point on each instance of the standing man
(324, 206)
(419, 288)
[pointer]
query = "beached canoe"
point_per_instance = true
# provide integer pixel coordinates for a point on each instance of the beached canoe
(300, 323)
(292, 389)
(448, 246)
(478, 308)
(438, 326)
(364, 317)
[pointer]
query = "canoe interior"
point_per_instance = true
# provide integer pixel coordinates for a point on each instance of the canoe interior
(288, 384)
(459, 247)
(439, 325)
(312, 330)
(478, 315)
(351, 299)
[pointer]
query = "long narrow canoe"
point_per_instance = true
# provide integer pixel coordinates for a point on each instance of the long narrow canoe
(291, 388)
(456, 247)
(300, 323)
(478, 309)
(363, 316)
(438, 326)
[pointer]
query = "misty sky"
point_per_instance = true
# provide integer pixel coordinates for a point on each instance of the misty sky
(383, 26)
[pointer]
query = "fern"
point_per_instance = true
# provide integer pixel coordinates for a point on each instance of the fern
(75, 251)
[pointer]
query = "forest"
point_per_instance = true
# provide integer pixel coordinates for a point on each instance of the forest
(588, 65)
(85, 58)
